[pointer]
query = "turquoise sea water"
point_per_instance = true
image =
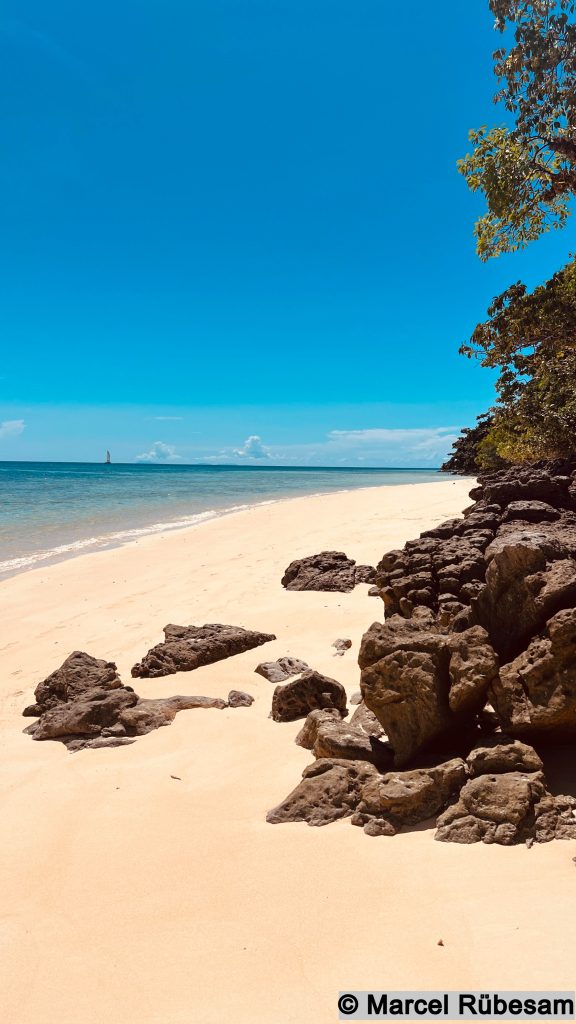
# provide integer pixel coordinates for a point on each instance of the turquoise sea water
(54, 510)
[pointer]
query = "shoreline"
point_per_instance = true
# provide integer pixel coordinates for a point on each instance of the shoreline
(150, 870)
(11, 567)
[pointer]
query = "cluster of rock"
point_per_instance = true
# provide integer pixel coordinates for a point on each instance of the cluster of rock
(476, 658)
(85, 704)
(327, 571)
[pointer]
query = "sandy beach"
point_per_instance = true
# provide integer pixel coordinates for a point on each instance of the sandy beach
(129, 895)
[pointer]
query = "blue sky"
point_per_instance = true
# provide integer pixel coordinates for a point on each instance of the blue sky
(234, 219)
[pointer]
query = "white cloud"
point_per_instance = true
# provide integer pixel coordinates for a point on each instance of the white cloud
(253, 449)
(169, 418)
(11, 428)
(159, 452)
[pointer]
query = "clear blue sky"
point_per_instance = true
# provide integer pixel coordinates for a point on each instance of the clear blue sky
(233, 218)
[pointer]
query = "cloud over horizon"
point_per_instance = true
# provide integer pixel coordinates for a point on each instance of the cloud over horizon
(253, 448)
(160, 452)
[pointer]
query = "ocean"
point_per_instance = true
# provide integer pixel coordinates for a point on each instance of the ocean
(53, 510)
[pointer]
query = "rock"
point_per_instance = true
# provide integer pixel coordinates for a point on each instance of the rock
(366, 720)
(535, 694)
(307, 736)
(507, 809)
(365, 574)
(330, 789)
(239, 699)
(356, 697)
(374, 592)
(282, 669)
(406, 798)
(84, 715)
(531, 511)
(338, 739)
(497, 754)
(421, 683)
(78, 675)
(188, 647)
(524, 588)
(341, 647)
(148, 715)
(328, 571)
(312, 690)
(83, 704)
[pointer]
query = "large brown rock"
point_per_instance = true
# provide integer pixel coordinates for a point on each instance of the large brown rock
(188, 647)
(527, 581)
(78, 675)
(497, 754)
(535, 695)
(423, 684)
(330, 789)
(84, 704)
(507, 809)
(328, 571)
(307, 736)
(338, 739)
(312, 690)
(406, 798)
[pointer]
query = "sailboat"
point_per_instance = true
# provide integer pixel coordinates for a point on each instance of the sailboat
(107, 460)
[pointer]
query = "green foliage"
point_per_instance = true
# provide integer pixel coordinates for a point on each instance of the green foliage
(528, 172)
(530, 338)
(474, 449)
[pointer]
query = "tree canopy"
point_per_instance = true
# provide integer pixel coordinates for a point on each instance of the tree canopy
(527, 171)
(530, 338)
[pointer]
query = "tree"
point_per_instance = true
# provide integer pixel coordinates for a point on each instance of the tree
(530, 337)
(527, 172)
(474, 449)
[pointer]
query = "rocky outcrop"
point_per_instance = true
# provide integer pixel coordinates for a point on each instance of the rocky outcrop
(312, 690)
(188, 647)
(476, 658)
(84, 704)
(279, 671)
(328, 571)
(330, 789)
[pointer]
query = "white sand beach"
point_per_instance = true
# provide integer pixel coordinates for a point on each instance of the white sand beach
(133, 897)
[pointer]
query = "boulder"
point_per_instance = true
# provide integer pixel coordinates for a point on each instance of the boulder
(78, 675)
(406, 798)
(307, 736)
(497, 754)
(338, 739)
(280, 670)
(312, 690)
(84, 704)
(330, 789)
(535, 694)
(188, 647)
(530, 512)
(423, 684)
(507, 809)
(327, 571)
